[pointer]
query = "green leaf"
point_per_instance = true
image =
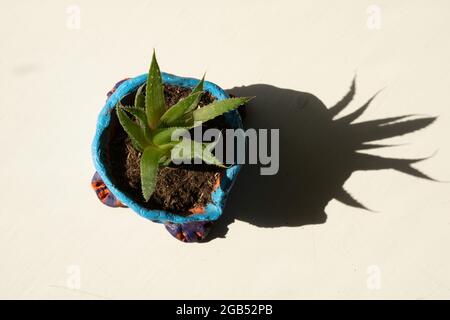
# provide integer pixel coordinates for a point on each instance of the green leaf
(154, 94)
(142, 117)
(149, 170)
(134, 131)
(165, 161)
(189, 149)
(138, 113)
(218, 108)
(139, 99)
(164, 136)
(177, 110)
(135, 145)
(186, 121)
(199, 86)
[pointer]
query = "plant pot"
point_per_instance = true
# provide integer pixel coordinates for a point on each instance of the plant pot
(191, 228)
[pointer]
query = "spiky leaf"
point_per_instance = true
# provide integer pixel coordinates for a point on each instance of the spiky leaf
(154, 95)
(218, 108)
(139, 99)
(138, 113)
(186, 121)
(177, 110)
(134, 131)
(189, 149)
(142, 117)
(164, 136)
(149, 169)
(199, 86)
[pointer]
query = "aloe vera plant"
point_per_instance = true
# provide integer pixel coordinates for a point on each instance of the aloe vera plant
(150, 124)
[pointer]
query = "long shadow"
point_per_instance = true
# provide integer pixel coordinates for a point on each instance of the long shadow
(318, 153)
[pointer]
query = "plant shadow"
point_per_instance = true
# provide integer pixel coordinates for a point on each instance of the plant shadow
(317, 154)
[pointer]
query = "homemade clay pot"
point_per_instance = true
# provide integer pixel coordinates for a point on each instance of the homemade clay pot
(192, 228)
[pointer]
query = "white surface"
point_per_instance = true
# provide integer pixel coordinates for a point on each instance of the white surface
(53, 84)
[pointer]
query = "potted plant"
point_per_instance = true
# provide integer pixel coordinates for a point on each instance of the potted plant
(134, 151)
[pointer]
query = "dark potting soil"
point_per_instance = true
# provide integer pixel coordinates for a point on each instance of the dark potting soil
(179, 188)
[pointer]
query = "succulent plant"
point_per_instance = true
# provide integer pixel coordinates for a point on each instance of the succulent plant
(150, 124)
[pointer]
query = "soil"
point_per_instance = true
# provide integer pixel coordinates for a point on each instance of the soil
(179, 188)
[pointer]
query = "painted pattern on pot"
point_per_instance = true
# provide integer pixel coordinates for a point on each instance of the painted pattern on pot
(191, 228)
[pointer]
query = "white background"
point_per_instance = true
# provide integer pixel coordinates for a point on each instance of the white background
(53, 82)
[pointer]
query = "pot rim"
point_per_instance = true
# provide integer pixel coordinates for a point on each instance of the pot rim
(214, 209)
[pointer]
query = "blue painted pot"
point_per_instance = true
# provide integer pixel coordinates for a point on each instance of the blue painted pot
(190, 228)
